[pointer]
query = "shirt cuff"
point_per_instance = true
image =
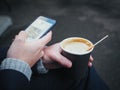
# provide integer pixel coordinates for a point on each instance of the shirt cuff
(41, 68)
(18, 65)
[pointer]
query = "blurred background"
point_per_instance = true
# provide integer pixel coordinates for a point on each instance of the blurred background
(91, 19)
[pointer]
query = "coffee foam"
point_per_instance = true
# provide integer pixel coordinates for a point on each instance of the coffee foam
(76, 45)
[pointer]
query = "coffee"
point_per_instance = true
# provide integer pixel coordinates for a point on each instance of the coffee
(76, 45)
(77, 50)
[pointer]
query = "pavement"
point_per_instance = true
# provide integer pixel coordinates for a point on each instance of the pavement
(73, 19)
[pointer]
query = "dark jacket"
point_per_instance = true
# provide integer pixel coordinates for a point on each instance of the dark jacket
(13, 80)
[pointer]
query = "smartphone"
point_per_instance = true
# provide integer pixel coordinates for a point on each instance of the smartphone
(41, 26)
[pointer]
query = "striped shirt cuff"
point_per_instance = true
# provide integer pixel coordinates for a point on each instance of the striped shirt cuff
(41, 68)
(18, 65)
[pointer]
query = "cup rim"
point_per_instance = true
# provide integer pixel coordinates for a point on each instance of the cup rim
(89, 51)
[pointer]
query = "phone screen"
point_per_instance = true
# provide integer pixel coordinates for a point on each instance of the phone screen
(40, 27)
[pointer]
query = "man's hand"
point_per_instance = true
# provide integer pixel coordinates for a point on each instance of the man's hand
(90, 61)
(28, 51)
(53, 58)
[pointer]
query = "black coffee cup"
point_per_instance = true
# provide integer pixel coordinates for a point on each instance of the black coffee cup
(77, 50)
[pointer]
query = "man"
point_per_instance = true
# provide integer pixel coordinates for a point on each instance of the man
(16, 71)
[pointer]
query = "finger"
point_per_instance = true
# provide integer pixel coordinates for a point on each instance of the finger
(44, 40)
(41, 54)
(22, 36)
(91, 58)
(89, 64)
(62, 60)
(15, 37)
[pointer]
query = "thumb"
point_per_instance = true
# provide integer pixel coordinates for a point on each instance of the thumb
(44, 40)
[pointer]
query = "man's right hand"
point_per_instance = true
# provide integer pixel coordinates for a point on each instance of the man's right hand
(28, 51)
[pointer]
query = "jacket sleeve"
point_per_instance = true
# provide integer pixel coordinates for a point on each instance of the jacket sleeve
(14, 74)
(13, 80)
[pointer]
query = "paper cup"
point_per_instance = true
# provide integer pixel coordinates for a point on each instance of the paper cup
(76, 50)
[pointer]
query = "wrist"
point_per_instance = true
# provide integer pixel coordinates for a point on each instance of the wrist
(41, 68)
